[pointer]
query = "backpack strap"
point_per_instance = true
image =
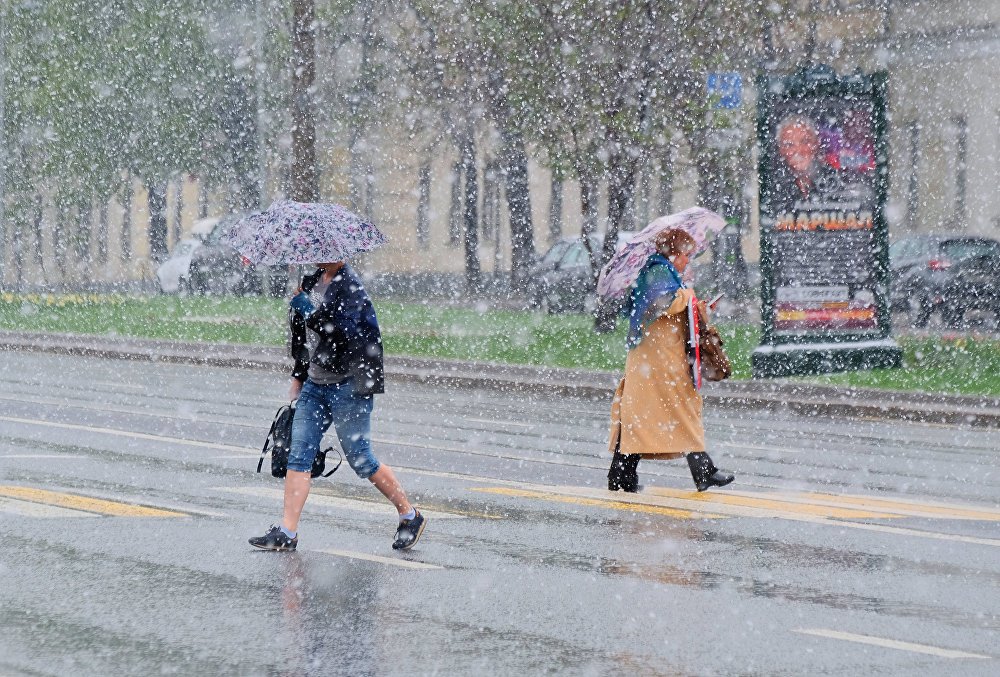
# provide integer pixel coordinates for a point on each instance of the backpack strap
(268, 440)
(340, 459)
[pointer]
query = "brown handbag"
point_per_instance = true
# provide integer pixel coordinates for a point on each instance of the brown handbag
(715, 364)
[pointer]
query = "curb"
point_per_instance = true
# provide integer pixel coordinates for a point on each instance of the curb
(769, 395)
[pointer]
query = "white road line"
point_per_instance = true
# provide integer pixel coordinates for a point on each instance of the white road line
(20, 508)
(499, 422)
(902, 531)
(119, 384)
(888, 643)
(105, 407)
(371, 507)
(41, 456)
(173, 440)
(759, 447)
(402, 563)
(248, 450)
(124, 433)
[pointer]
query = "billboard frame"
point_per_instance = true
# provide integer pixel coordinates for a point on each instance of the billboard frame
(819, 352)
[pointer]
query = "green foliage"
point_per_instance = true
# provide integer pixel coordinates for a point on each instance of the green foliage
(945, 365)
(592, 78)
(97, 89)
(949, 365)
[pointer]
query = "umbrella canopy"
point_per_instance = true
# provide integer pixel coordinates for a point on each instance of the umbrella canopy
(622, 270)
(303, 232)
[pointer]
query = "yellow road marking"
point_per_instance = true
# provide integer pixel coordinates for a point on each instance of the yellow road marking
(603, 503)
(84, 503)
(585, 496)
(29, 509)
(770, 502)
(733, 506)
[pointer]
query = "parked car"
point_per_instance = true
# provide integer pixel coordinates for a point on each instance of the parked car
(924, 267)
(217, 268)
(974, 285)
(563, 279)
(172, 275)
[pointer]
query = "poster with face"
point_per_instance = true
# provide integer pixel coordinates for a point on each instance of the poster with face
(819, 204)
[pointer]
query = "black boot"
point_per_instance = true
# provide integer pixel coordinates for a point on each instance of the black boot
(630, 477)
(616, 471)
(623, 473)
(704, 472)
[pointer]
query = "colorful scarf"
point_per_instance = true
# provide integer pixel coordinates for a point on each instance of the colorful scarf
(656, 279)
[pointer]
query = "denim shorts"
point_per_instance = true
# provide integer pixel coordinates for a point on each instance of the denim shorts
(317, 408)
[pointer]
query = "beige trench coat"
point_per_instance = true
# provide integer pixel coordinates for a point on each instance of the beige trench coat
(656, 411)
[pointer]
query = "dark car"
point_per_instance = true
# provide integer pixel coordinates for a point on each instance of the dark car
(974, 285)
(924, 268)
(563, 280)
(217, 268)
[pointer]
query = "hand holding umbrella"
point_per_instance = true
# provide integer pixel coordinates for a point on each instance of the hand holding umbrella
(621, 271)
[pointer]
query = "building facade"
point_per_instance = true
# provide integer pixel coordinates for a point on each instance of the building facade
(942, 57)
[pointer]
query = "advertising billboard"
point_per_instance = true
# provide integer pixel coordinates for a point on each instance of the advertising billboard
(824, 240)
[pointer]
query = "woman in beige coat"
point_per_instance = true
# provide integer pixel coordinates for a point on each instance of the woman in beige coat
(656, 412)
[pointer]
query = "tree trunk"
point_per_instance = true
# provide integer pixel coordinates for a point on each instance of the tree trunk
(455, 206)
(718, 191)
(588, 208)
(83, 223)
(102, 232)
(642, 199)
(361, 172)
(522, 230)
(38, 226)
(305, 184)
(665, 190)
(423, 204)
(178, 215)
(240, 124)
(126, 236)
(470, 212)
(621, 189)
(555, 208)
(202, 199)
(157, 202)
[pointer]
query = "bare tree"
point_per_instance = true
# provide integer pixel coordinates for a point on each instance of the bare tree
(305, 184)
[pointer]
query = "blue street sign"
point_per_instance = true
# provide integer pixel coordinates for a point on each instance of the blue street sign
(728, 87)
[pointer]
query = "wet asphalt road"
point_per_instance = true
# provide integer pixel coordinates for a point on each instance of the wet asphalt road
(127, 493)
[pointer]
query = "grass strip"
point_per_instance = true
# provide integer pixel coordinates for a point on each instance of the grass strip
(949, 365)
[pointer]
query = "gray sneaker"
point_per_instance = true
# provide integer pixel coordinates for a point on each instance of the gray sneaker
(409, 532)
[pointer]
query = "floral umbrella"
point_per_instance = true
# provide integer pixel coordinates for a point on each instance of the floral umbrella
(303, 232)
(622, 270)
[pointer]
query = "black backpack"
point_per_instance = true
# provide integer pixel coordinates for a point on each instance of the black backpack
(279, 442)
